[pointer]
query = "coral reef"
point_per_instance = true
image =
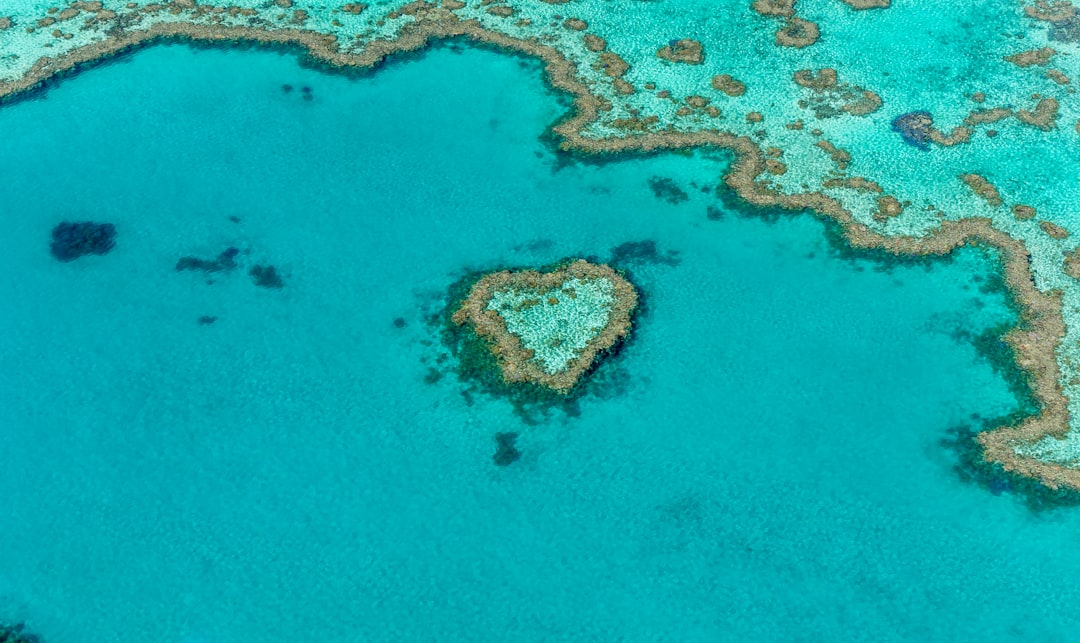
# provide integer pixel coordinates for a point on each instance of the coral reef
(831, 98)
(642, 252)
(547, 328)
(667, 190)
(17, 634)
(728, 85)
(683, 51)
(103, 32)
(506, 451)
(266, 277)
(73, 240)
(226, 260)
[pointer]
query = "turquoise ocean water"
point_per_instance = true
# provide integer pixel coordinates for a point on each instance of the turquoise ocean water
(765, 464)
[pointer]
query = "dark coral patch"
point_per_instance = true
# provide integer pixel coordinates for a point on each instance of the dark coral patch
(642, 252)
(915, 128)
(73, 240)
(224, 261)
(666, 189)
(17, 634)
(266, 277)
(506, 451)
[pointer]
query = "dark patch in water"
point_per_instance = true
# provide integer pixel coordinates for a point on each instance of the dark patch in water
(714, 213)
(914, 128)
(234, 218)
(287, 88)
(266, 277)
(224, 261)
(667, 190)
(17, 634)
(506, 451)
(642, 252)
(536, 246)
(399, 322)
(204, 320)
(1066, 30)
(73, 240)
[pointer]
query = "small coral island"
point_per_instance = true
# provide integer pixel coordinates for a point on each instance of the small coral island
(548, 328)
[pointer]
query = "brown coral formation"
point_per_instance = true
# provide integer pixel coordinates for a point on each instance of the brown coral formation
(594, 42)
(683, 51)
(5, 23)
(355, 8)
(515, 360)
(819, 80)
(982, 187)
(1054, 230)
(888, 207)
(797, 33)
(867, 4)
(1044, 116)
(1035, 339)
(1051, 10)
(1058, 77)
(840, 157)
(778, 8)
(575, 24)
(725, 83)
(1072, 263)
(957, 136)
(857, 183)
(1023, 212)
(775, 167)
(615, 67)
(1031, 57)
(981, 116)
(831, 98)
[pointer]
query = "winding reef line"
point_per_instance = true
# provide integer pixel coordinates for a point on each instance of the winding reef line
(1034, 341)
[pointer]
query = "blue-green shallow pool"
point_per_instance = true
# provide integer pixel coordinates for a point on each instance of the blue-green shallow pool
(769, 470)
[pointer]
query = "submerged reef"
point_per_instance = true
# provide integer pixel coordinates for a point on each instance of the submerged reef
(629, 98)
(17, 634)
(506, 451)
(226, 260)
(266, 277)
(547, 328)
(73, 240)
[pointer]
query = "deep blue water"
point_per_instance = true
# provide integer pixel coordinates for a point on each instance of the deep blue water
(765, 466)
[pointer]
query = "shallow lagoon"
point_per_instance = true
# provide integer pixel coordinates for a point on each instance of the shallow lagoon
(766, 463)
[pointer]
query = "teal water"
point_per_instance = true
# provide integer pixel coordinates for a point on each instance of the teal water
(768, 467)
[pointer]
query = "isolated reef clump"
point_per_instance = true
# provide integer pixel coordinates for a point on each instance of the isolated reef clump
(226, 260)
(549, 328)
(915, 128)
(266, 277)
(73, 240)
(506, 451)
(668, 190)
